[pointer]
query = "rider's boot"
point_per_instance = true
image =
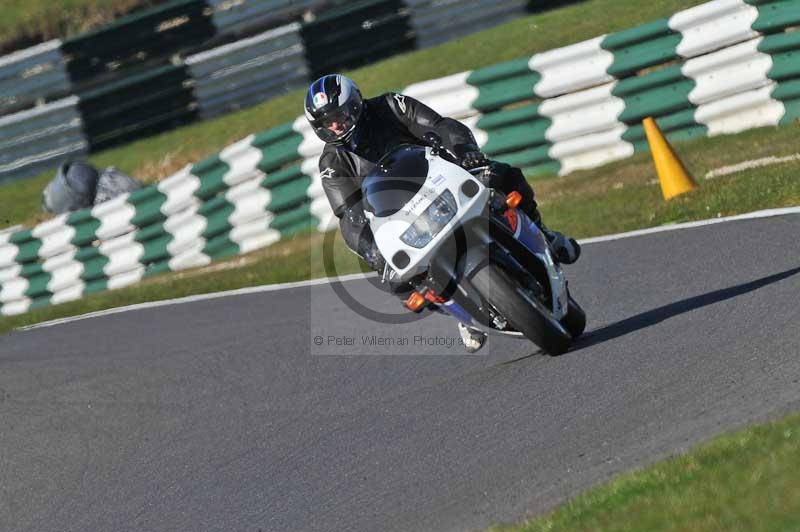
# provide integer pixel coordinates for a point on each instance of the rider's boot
(473, 338)
(565, 249)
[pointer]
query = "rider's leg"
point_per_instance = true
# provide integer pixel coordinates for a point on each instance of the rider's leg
(357, 234)
(510, 178)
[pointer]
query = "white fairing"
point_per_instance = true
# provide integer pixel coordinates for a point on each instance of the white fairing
(389, 229)
(443, 175)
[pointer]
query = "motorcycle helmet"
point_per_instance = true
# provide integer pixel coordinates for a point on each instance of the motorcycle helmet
(334, 107)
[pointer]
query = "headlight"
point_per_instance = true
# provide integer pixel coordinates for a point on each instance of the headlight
(430, 222)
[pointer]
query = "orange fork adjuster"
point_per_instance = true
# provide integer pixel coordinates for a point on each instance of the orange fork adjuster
(415, 301)
(433, 297)
(513, 200)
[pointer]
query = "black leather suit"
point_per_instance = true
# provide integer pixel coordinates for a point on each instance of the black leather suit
(389, 121)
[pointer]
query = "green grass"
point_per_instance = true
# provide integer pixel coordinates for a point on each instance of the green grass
(746, 481)
(162, 155)
(625, 195)
(619, 197)
(41, 20)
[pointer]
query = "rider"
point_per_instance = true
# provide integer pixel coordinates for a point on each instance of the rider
(358, 132)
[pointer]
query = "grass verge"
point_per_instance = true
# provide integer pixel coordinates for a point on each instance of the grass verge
(159, 156)
(25, 22)
(746, 481)
(619, 197)
(625, 195)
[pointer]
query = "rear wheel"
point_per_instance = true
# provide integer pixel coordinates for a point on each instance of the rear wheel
(523, 311)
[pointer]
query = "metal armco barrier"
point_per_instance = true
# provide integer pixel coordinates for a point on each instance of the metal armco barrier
(243, 16)
(156, 100)
(355, 34)
(41, 137)
(120, 65)
(249, 71)
(32, 74)
(137, 39)
(125, 85)
(438, 21)
(721, 67)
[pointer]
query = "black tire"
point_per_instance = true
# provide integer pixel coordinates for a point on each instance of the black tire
(525, 313)
(575, 320)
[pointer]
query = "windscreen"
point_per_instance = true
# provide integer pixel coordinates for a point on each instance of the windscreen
(395, 180)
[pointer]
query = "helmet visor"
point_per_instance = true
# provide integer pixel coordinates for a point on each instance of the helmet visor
(335, 125)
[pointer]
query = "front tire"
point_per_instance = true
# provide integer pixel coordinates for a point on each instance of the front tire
(575, 319)
(524, 312)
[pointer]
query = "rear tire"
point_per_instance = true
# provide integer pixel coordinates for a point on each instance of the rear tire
(525, 313)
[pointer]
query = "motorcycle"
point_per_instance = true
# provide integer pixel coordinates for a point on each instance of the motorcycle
(467, 249)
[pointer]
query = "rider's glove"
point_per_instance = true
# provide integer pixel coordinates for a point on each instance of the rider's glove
(355, 215)
(566, 249)
(474, 159)
(494, 175)
(368, 251)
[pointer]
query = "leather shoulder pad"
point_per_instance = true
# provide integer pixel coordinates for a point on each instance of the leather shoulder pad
(397, 103)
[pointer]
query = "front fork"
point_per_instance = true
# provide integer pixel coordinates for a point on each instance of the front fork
(515, 243)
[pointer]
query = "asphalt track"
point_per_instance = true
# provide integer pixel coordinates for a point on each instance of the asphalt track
(223, 414)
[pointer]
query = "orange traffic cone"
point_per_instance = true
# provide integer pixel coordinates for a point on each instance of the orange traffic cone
(674, 178)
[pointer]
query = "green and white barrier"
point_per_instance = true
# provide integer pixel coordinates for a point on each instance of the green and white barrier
(220, 207)
(730, 90)
(721, 67)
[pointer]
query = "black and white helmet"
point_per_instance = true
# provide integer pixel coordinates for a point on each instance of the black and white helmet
(334, 107)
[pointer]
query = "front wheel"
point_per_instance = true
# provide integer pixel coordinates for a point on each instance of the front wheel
(575, 319)
(523, 311)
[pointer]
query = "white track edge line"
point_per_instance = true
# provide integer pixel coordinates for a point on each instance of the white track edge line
(690, 225)
(751, 165)
(346, 278)
(195, 298)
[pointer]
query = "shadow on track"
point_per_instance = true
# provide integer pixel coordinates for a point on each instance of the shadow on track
(657, 315)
